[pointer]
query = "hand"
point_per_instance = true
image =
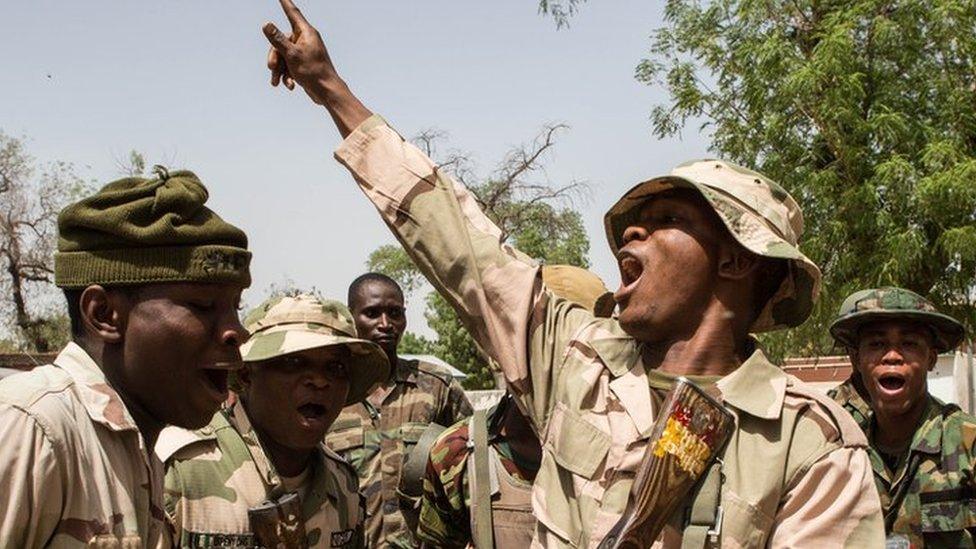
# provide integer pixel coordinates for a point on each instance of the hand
(299, 57)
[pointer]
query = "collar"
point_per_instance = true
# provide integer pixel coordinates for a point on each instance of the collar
(406, 371)
(101, 401)
(757, 387)
(928, 436)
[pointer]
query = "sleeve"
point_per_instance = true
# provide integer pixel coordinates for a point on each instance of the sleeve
(31, 481)
(444, 520)
(494, 288)
(834, 504)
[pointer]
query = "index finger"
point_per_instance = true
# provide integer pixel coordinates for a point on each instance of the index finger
(294, 15)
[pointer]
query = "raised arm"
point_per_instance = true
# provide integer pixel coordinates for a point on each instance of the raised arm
(494, 288)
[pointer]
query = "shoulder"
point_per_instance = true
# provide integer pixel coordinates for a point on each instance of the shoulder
(958, 427)
(26, 389)
(449, 452)
(42, 400)
(820, 417)
(436, 372)
(341, 471)
(176, 444)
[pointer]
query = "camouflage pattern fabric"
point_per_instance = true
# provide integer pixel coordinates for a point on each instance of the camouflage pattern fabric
(445, 519)
(796, 470)
(894, 304)
(847, 395)
(931, 497)
(285, 325)
(214, 474)
(376, 435)
(74, 469)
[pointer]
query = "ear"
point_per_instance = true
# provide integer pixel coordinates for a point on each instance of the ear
(104, 313)
(736, 262)
(933, 358)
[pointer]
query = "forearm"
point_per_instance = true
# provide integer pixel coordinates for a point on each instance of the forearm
(347, 111)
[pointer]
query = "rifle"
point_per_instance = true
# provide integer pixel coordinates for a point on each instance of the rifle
(278, 524)
(688, 435)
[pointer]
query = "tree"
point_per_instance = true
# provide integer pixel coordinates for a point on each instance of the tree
(31, 195)
(535, 215)
(560, 10)
(865, 110)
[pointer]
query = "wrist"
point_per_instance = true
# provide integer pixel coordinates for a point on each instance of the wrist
(328, 91)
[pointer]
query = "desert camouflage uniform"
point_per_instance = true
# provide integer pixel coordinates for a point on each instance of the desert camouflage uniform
(375, 435)
(931, 497)
(795, 470)
(74, 469)
(214, 474)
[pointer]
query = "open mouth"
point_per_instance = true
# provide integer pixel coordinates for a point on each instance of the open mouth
(215, 380)
(891, 382)
(630, 269)
(312, 415)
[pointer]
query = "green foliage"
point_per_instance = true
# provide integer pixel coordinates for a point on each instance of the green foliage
(560, 10)
(536, 217)
(864, 110)
(413, 344)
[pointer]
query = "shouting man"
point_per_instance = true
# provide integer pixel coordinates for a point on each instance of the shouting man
(153, 279)
(302, 363)
(708, 254)
(922, 450)
(377, 434)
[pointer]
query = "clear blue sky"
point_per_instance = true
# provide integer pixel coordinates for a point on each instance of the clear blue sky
(185, 83)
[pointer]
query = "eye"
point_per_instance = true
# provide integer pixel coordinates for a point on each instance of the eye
(201, 306)
(336, 370)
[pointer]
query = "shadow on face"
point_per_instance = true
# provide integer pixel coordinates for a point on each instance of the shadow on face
(167, 347)
(293, 399)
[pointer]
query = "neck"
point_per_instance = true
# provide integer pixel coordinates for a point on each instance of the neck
(393, 358)
(713, 348)
(896, 431)
(288, 462)
(110, 363)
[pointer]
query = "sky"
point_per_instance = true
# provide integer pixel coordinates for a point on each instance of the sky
(185, 83)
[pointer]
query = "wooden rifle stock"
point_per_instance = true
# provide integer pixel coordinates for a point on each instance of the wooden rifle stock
(279, 524)
(688, 434)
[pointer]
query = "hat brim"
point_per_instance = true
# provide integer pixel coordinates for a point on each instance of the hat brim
(367, 365)
(948, 331)
(791, 305)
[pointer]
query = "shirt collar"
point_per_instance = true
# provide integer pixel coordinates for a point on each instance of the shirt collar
(101, 401)
(757, 387)
(406, 371)
(928, 436)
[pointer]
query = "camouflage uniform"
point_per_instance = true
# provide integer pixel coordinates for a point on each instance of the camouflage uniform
(375, 435)
(74, 469)
(215, 474)
(930, 498)
(445, 519)
(795, 470)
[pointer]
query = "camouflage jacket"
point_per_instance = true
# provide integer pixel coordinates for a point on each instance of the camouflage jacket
(931, 498)
(214, 474)
(796, 472)
(445, 519)
(376, 435)
(74, 469)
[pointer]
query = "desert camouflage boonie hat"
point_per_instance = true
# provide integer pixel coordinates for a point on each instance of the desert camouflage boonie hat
(579, 286)
(285, 325)
(759, 214)
(890, 303)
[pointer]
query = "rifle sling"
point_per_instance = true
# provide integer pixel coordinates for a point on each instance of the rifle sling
(703, 520)
(482, 534)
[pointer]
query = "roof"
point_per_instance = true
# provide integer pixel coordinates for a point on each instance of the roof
(455, 373)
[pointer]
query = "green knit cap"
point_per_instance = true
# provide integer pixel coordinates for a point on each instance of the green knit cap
(137, 230)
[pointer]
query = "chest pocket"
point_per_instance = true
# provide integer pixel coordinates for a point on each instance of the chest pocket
(576, 444)
(948, 510)
(109, 541)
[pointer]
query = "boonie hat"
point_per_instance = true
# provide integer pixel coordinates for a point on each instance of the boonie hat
(285, 325)
(880, 304)
(759, 214)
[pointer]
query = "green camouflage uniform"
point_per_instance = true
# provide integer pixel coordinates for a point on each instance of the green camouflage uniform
(795, 470)
(215, 474)
(930, 497)
(376, 435)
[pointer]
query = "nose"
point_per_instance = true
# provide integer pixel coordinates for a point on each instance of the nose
(634, 232)
(317, 378)
(385, 323)
(233, 333)
(892, 356)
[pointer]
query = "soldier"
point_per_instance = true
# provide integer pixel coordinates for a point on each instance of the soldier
(302, 362)
(707, 254)
(922, 450)
(495, 510)
(376, 434)
(153, 279)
